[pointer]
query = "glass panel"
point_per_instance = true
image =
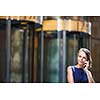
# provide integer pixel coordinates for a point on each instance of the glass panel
(17, 38)
(20, 58)
(22, 51)
(72, 47)
(51, 58)
(86, 40)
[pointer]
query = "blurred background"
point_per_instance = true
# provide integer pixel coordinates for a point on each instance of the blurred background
(38, 49)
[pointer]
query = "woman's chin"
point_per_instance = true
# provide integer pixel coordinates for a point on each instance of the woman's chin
(81, 64)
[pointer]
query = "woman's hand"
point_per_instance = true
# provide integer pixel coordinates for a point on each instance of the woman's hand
(87, 65)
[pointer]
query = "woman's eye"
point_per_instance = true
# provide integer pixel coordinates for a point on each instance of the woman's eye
(84, 57)
(79, 55)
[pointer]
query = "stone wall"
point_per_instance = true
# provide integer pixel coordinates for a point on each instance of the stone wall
(95, 47)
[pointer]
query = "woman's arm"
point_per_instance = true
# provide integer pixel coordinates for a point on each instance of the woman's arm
(70, 75)
(89, 75)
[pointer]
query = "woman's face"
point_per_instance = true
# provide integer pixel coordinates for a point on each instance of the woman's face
(82, 58)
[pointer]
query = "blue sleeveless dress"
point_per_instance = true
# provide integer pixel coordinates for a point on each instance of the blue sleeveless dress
(79, 75)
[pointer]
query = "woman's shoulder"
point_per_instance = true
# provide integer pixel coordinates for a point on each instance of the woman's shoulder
(69, 68)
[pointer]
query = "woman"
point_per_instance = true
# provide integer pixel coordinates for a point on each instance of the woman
(80, 73)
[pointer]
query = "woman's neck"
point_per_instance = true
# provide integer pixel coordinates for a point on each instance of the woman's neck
(79, 66)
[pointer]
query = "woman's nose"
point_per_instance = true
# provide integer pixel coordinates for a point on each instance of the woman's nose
(81, 58)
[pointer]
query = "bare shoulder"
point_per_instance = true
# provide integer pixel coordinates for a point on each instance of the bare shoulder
(69, 74)
(69, 68)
